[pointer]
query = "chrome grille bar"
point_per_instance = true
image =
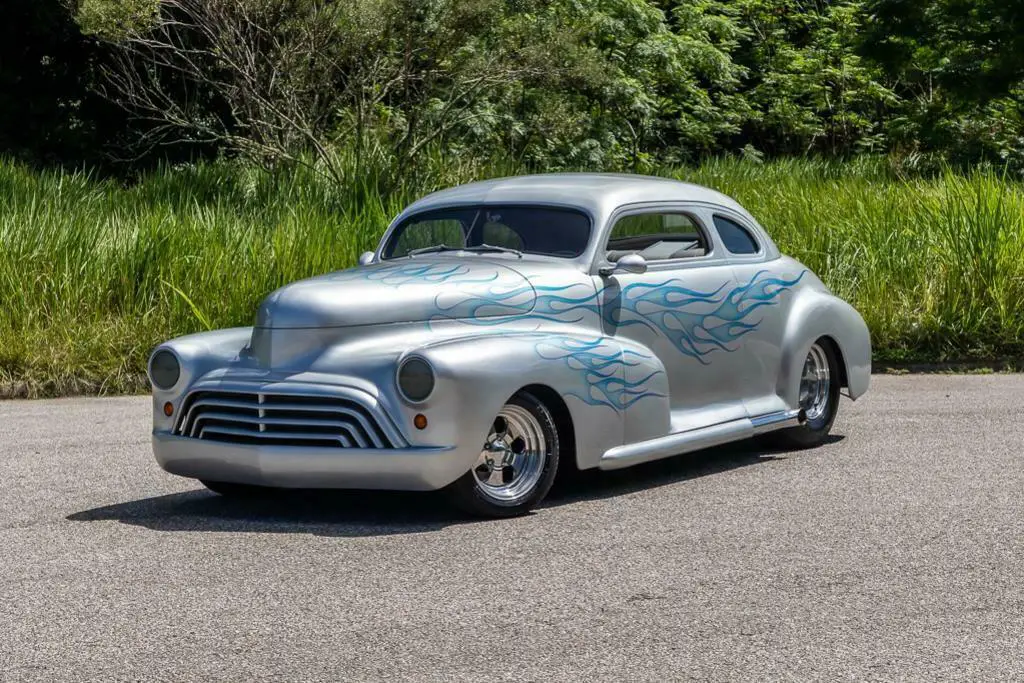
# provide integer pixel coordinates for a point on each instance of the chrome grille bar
(245, 415)
(292, 439)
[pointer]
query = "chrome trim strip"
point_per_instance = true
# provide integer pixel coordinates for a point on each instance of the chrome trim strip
(772, 421)
(697, 439)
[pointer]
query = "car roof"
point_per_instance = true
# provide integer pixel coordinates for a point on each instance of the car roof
(598, 193)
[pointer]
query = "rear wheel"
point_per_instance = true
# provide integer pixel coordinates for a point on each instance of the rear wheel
(819, 398)
(517, 465)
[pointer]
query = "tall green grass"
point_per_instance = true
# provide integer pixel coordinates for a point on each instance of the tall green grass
(93, 273)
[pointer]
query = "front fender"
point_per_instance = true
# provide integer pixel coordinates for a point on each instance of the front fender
(198, 354)
(815, 314)
(475, 376)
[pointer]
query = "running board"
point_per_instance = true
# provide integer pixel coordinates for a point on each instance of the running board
(697, 439)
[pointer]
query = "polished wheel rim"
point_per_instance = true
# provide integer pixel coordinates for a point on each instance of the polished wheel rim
(512, 460)
(814, 384)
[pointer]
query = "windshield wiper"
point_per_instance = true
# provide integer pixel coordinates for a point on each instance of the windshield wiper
(432, 250)
(477, 249)
(483, 248)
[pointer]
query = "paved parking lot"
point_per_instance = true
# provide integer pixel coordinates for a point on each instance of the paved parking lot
(894, 552)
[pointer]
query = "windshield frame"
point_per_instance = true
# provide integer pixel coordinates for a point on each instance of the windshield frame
(413, 211)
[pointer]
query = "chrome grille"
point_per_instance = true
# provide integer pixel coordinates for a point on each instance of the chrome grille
(283, 419)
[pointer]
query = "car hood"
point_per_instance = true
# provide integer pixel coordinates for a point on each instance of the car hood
(409, 290)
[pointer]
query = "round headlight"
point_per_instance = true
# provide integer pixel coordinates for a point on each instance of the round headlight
(415, 380)
(164, 369)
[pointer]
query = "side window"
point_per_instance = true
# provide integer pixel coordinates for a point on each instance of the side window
(656, 236)
(735, 237)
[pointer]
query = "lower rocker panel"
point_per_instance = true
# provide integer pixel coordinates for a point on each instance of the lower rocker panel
(697, 439)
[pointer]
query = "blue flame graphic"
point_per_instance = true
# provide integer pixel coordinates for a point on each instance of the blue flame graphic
(695, 322)
(515, 300)
(540, 303)
(404, 273)
(601, 367)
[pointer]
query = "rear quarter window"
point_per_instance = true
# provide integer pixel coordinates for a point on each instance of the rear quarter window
(735, 237)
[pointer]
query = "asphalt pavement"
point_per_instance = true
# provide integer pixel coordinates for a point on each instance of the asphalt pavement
(894, 552)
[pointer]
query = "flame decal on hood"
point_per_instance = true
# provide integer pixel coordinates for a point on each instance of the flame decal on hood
(398, 274)
(554, 303)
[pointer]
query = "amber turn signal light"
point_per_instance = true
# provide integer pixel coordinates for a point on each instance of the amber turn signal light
(168, 409)
(420, 421)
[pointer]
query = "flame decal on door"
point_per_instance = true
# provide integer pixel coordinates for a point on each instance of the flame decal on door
(602, 369)
(697, 323)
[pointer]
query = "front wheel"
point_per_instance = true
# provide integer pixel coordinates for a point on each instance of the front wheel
(517, 465)
(819, 398)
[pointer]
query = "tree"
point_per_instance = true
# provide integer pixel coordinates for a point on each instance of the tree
(255, 77)
(974, 48)
(808, 88)
(958, 67)
(48, 113)
(277, 79)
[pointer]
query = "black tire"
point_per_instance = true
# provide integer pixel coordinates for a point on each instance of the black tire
(237, 491)
(470, 496)
(815, 430)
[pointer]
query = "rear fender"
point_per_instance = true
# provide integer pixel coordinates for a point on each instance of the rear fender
(815, 314)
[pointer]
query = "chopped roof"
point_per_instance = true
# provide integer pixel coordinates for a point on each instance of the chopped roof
(599, 193)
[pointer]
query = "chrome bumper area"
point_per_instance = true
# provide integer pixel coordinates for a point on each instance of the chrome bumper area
(411, 469)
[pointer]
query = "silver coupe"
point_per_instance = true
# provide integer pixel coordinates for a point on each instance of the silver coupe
(506, 329)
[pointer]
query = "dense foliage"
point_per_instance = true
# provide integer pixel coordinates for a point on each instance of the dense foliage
(94, 274)
(356, 107)
(548, 83)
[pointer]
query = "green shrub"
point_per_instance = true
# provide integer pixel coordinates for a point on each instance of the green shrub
(94, 274)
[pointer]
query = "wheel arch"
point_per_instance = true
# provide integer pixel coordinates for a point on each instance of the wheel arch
(473, 386)
(844, 375)
(564, 423)
(818, 315)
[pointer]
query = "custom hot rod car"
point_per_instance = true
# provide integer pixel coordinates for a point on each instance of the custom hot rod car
(505, 329)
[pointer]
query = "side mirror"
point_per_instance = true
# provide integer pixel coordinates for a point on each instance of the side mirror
(630, 263)
(366, 258)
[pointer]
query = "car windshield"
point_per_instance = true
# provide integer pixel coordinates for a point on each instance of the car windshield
(490, 229)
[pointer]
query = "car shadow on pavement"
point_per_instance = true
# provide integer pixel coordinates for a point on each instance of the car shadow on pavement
(322, 513)
(598, 484)
(381, 513)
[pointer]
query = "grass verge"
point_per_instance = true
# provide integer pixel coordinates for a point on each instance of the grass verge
(93, 274)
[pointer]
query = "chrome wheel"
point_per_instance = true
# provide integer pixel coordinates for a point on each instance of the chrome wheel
(511, 463)
(815, 385)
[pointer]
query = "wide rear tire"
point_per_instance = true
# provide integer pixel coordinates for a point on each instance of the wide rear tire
(819, 398)
(517, 464)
